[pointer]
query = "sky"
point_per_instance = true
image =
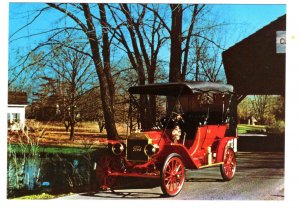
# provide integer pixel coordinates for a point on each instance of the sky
(248, 17)
(241, 21)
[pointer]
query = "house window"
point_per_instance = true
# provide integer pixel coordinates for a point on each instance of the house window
(13, 118)
(8, 120)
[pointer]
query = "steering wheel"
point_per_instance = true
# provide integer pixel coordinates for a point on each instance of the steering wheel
(176, 117)
(171, 121)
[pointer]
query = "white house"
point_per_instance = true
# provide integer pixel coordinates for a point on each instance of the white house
(17, 102)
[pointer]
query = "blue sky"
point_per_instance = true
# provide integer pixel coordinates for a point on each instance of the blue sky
(242, 20)
(248, 18)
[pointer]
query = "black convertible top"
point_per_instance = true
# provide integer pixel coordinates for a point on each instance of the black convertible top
(182, 88)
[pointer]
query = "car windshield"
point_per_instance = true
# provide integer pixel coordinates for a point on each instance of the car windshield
(206, 108)
(203, 102)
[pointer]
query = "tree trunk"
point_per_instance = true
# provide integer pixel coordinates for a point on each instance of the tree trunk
(152, 99)
(72, 132)
(145, 111)
(67, 125)
(176, 51)
(106, 53)
(197, 74)
(106, 96)
(187, 43)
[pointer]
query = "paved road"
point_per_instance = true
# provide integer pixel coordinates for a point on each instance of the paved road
(259, 176)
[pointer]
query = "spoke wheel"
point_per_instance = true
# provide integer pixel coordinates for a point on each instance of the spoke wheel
(229, 166)
(105, 165)
(172, 175)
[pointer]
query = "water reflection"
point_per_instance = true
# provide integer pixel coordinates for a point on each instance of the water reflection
(50, 173)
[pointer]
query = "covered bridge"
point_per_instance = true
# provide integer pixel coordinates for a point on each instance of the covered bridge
(256, 65)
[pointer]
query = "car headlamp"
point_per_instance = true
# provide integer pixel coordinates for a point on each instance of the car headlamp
(151, 149)
(117, 148)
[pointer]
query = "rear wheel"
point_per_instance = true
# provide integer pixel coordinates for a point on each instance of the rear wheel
(229, 166)
(172, 175)
(105, 165)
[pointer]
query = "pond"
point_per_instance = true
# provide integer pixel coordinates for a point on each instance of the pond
(54, 170)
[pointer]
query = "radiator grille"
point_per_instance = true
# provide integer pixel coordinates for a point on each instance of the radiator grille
(135, 150)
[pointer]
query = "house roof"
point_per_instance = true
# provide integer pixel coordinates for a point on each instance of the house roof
(17, 98)
(180, 88)
(252, 66)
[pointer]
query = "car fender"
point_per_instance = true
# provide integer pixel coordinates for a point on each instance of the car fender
(226, 142)
(178, 149)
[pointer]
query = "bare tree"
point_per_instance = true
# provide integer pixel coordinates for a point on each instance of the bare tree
(188, 38)
(210, 62)
(260, 107)
(144, 54)
(74, 76)
(102, 65)
(139, 31)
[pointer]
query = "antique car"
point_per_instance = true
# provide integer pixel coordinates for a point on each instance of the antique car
(200, 132)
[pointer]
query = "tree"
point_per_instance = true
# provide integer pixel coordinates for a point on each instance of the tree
(102, 65)
(177, 68)
(73, 74)
(67, 78)
(267, 109)
(244, 110)
(23, 77)
(140, 36)
(278, 107)
(44, 100)
(138, 31)
(138, 55)
(89, 106)
(209, 61)
(260, 104)
(176, 40)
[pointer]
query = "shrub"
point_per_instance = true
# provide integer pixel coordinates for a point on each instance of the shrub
(277, 128)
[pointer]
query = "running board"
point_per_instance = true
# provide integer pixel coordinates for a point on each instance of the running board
(132, 174)
(211, 165)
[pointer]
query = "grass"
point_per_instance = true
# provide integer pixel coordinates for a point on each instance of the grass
(246, 129)
(52, 138)
(65, 150)
(41, 196)
(54, 133)
(87, 135)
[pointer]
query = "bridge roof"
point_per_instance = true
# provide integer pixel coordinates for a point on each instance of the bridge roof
(254, 66)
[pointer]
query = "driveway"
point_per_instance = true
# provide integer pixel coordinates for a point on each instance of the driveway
(259, 176)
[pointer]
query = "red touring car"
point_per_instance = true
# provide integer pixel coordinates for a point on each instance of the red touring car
(200, 133)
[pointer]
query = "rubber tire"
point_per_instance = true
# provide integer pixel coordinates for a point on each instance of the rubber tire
(172, 157)
(104, 181)
(226, 176)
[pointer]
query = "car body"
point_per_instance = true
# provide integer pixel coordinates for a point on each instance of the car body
(203, 134)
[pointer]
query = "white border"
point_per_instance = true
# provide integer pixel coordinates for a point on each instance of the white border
(292, 189)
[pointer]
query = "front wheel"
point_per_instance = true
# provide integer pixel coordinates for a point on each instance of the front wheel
(105, 165)
(229, 166)
(172, 175)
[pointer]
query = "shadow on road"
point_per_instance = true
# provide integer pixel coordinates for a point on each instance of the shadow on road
(261, 143)
(203, 180)
(123, 194)
(259, 158)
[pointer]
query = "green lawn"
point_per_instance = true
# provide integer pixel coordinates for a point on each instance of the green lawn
(250, 129)
(41, 196)
(21, 148)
